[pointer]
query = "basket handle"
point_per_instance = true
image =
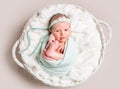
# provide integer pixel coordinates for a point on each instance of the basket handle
(14, 54)
(108, 30)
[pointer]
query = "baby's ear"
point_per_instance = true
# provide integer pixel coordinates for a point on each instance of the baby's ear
(50, 30)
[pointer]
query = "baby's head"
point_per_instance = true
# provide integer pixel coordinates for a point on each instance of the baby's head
(59, 26)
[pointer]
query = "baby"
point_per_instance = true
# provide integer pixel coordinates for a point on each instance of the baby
(56, 50)
(60, 31)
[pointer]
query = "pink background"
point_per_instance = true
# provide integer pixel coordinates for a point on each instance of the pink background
(13, 16)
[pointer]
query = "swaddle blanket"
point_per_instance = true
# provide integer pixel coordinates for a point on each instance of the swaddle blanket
(63, 66)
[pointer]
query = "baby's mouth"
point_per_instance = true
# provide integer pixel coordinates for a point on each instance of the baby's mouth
(61, 38)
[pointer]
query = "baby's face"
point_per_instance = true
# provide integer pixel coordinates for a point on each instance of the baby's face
(61, 31)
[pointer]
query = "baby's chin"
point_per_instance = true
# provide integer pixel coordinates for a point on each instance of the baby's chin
(62, 40)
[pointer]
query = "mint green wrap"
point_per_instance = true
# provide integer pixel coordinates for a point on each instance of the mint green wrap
(63, 66)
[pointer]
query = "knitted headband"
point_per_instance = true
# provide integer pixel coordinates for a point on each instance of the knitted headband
(60, 19)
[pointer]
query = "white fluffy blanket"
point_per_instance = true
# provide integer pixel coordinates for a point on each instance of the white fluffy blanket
(86, 32)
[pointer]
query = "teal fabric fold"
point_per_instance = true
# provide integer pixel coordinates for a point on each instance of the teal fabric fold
(63, 66)
(28, 39)
(54, 67)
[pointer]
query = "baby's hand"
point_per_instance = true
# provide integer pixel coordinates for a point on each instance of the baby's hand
(52, 39)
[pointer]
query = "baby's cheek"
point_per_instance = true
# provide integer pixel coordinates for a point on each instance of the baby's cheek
(68, 35)
(56, 36)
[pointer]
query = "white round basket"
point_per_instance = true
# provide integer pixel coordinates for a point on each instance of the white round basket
(87, 32)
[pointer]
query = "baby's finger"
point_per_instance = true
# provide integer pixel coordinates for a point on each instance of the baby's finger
(52, 38)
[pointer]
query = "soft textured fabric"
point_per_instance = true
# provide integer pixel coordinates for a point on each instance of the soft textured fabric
(87, 33)
(63, 66)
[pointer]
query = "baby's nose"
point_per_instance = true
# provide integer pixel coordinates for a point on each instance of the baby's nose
(62, 33)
